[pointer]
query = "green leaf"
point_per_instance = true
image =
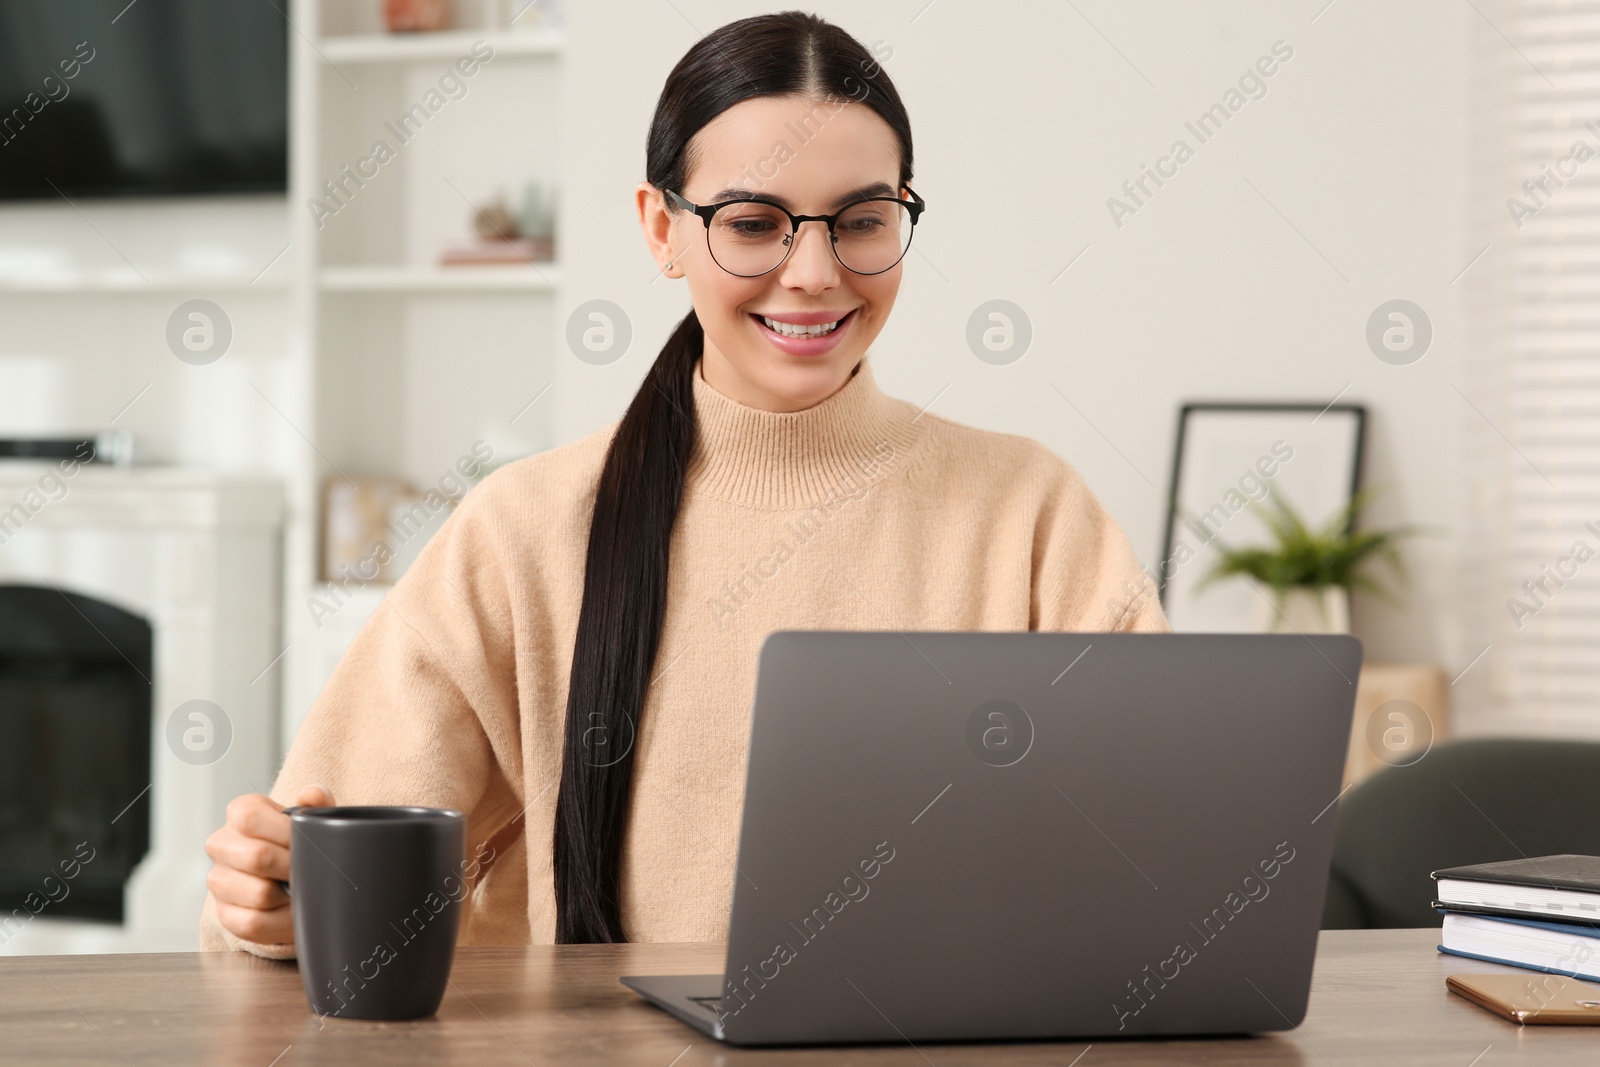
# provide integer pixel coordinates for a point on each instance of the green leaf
(1335, 553)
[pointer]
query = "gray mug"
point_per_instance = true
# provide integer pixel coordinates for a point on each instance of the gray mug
(376, 893)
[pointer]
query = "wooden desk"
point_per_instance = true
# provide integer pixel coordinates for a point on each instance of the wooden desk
(1378, 997)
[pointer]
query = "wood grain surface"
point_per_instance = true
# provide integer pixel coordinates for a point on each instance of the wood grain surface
(1378, 997)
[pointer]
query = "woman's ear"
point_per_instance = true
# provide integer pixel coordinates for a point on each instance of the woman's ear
(656, 222)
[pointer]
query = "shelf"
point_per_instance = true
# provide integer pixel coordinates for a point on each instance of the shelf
(446, 45)
(127, 282)
(494, 279)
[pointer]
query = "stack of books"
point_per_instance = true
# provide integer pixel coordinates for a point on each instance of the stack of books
(1541, 913)
(499, 250)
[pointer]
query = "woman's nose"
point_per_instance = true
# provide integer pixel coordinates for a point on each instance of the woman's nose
(811, 264)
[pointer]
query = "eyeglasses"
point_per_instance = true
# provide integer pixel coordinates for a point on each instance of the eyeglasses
(751, 237)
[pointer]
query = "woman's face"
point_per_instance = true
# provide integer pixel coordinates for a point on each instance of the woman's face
(810, 156)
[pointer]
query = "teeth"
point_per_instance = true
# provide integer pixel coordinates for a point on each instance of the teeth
(788, 329)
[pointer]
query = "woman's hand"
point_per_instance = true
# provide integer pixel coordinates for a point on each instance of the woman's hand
(250, 856)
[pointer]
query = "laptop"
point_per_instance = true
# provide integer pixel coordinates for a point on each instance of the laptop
(982, 836)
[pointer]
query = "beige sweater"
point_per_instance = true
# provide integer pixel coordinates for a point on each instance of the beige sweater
(857, 513)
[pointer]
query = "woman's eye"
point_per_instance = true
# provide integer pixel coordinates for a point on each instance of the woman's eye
(751, 224)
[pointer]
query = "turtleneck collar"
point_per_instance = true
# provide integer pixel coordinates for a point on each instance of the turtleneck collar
(780, 460)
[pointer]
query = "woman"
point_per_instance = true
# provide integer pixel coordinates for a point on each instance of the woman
(571, 659)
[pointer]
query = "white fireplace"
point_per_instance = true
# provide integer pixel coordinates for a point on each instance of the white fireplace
(197, 555)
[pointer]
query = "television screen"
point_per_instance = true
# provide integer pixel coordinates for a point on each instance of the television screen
(149, 98)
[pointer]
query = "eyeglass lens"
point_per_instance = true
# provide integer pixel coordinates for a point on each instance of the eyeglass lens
(753, 238)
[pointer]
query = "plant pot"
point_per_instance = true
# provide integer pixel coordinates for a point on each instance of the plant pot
(1304, 609)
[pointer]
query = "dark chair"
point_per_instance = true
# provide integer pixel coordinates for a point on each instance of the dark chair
(1464, 802)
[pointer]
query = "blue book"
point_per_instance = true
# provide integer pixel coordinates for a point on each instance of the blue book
(1571, 949)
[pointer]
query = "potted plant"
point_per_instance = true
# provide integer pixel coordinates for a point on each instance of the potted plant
(1306, 575)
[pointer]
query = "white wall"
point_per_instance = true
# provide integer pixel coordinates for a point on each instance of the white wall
(1206, 293)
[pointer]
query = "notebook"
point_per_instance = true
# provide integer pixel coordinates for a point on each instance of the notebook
(1563, 886)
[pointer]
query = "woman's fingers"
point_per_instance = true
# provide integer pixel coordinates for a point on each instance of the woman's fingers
(232, 886)
(255, 814)
(314, 796)
(250, 858)
(259, 927)
(250, 907)
(263, 858)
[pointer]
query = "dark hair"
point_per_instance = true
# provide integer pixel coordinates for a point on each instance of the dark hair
(641, 484)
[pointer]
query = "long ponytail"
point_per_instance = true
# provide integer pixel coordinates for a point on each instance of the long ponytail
(619, 628)
(641, 483)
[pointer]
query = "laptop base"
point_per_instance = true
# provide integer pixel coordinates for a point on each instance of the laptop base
(687, 997)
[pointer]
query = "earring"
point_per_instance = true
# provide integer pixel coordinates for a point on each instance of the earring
(668, 266)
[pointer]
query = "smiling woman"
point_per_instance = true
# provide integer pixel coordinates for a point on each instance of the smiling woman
(788, 302)
(548, 664)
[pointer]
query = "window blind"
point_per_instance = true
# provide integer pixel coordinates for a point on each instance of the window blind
(1535, 454)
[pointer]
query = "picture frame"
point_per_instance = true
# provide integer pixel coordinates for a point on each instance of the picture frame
(1229, 456)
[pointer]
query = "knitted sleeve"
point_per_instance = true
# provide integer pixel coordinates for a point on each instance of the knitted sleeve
(1086, 576)
(422, 708)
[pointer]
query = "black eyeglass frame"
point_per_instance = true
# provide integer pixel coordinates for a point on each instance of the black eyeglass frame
(914, 206)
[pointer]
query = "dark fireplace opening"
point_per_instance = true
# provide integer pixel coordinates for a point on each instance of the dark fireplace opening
(75, 725)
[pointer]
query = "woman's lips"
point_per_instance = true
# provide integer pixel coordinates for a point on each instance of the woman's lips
(806, 346)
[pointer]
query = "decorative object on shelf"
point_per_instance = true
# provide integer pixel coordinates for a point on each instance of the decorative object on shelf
(536, 216)
(356, 518)
(516, 250)
(111, 446)
(494, 221)
(412, 16)
(1229, 456)
(504, 237)
(1306, 575)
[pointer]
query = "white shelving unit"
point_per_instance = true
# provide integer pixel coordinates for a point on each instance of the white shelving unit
(129, 283)
(87, 288)
(403, 364)
(446, 44)
(532, 278)
(354, 353)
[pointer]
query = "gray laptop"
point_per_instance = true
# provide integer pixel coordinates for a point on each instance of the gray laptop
(959, 836)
